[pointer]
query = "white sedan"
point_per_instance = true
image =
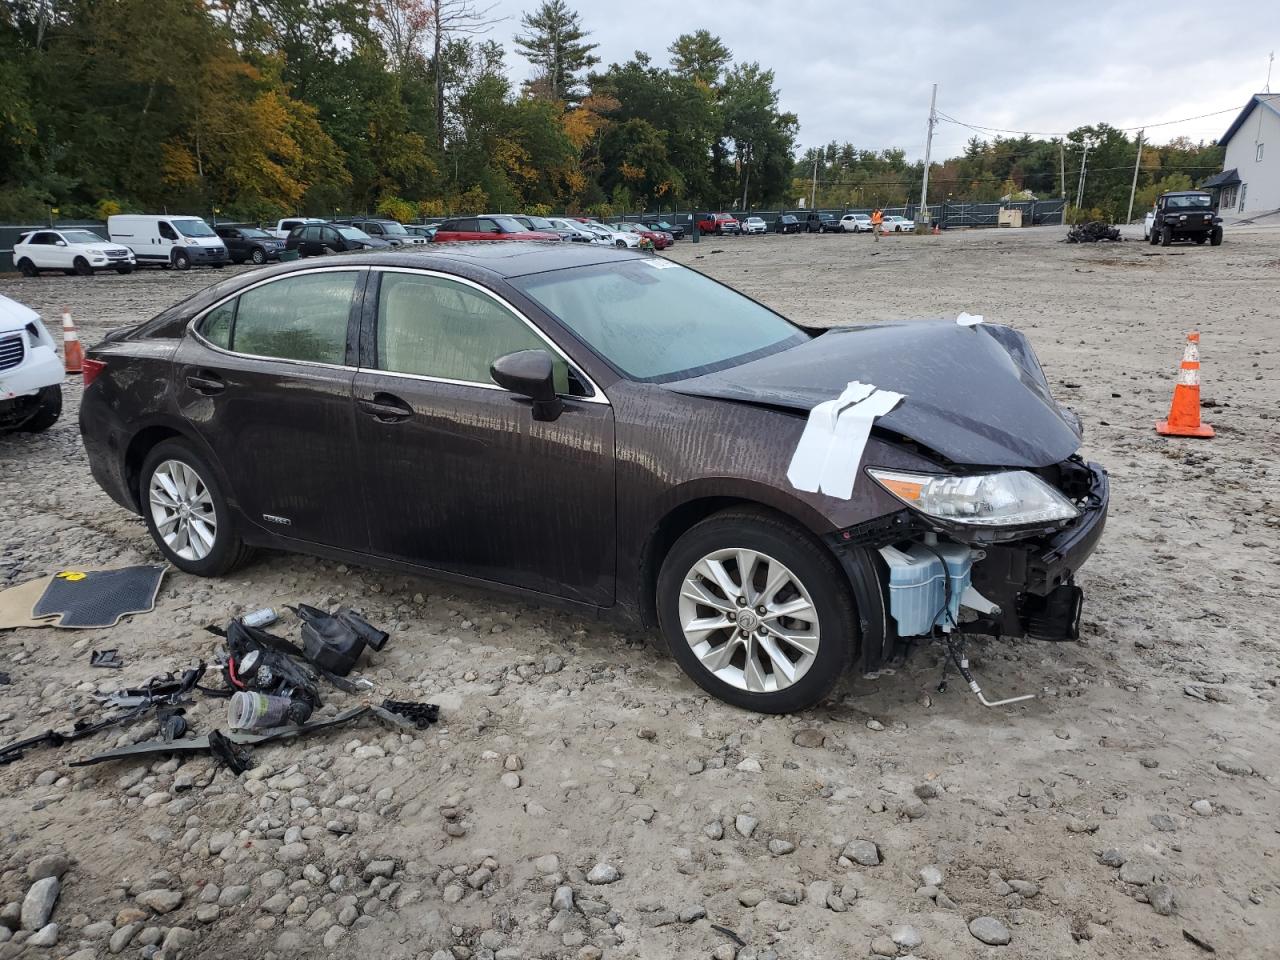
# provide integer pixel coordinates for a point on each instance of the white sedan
(71, 251)
(577, 230)
(754, 225)
(856, 223)
(1147, 223)
(618, 238)
(898, 225)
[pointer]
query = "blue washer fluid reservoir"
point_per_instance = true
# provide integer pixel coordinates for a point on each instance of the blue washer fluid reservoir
(918, 588)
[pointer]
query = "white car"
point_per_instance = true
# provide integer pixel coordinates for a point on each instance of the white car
(898, 225)
(754, 225)
(578, 231)
(30, 371)
(856, 223)
(71, 251)
(618, 238)
(1147, 223)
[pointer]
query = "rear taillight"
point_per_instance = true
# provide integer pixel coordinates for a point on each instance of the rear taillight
(90, 369)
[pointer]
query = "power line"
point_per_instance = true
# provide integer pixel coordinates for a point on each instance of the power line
(1043, 133)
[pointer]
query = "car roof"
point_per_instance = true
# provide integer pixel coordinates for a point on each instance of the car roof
(505, 259)
(1185, 193)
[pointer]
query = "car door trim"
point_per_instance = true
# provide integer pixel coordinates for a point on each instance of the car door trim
(357, 295)
(598, 396)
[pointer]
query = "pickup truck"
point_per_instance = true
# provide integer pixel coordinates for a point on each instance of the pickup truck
(718, 223)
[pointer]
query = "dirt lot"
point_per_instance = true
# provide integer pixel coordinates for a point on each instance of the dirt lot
(565, 745)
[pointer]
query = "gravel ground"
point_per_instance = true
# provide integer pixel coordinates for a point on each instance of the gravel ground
(581, 799)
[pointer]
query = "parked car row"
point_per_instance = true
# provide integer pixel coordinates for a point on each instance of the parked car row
(721, 224)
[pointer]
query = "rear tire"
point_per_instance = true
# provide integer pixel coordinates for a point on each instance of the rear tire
(82, 267)
(1215, 238)
(227, 551)
(49, 411)
(1166, 236)
(27, 268)
(812, 579)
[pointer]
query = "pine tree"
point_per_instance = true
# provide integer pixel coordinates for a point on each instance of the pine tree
(555, 42)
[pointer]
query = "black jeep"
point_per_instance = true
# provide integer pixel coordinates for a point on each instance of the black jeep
(1186, 215)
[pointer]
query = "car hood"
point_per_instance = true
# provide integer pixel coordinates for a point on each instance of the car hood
(15, 315)
(976, 395)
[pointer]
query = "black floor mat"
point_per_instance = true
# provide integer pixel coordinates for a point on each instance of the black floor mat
(99, 598)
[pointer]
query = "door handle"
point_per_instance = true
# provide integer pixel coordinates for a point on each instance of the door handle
(206, 383)
(385, 407)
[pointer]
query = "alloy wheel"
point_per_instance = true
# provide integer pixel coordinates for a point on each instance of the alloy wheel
(182, 509)
(749, 620)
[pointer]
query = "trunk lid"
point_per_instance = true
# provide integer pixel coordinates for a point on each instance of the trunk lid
(974, 394)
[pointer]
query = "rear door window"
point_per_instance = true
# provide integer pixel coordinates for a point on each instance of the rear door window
(295, 318)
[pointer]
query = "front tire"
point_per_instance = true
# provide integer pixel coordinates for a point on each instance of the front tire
(49, 410)
(1215, 238)
(259, 256)
(27, 268)
(186, 513)
(181, 261)
(1166, 236)
(757, 612)
(123, 270)
(82, 267)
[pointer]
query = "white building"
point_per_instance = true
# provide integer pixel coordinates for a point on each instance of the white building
(1250, 179)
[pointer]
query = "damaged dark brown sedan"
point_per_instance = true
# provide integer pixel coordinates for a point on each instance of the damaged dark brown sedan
(615, 432)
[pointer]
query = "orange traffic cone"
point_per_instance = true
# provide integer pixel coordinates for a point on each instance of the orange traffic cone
(72, 351)
(1184, 412)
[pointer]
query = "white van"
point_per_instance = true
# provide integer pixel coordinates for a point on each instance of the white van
(170, 241)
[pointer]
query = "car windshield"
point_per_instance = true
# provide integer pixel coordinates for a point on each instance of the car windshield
(754, 220)
(393, 229)
(663, 224)
(352, 233)
(1190, 200)
(540, 223)
(657, 321)
(253, 233)
(599, 228)
(193, 228)
(509, 224)
(81, 236)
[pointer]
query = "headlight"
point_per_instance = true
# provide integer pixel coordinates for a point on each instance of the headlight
(1182, 217)
(1008, 499)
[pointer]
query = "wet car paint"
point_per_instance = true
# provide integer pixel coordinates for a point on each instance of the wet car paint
(578, 511)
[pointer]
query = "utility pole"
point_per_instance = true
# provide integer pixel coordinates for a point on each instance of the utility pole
(813, 190)
(1084, 161)
(928, 147)
(1133, 188)
(1061, 161)
(746, 176)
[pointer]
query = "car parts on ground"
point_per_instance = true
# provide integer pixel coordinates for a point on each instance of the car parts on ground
(1093, 232)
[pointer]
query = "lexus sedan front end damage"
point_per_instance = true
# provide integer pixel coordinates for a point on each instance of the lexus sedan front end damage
(616, 433)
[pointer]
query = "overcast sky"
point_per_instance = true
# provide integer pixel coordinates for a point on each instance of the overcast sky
(862, 72)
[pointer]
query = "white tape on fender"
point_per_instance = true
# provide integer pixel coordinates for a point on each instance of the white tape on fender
(830, 449)
(968, 320)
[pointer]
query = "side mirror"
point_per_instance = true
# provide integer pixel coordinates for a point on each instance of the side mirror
(529, 373)
(61, 243)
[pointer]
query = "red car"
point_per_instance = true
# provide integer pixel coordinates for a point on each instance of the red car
(718, 223)
(487, 228)
(659, 239)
